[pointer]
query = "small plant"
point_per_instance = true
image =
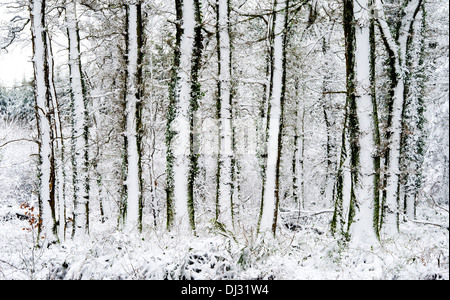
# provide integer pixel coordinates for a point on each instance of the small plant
(33, 226)
(33, 219)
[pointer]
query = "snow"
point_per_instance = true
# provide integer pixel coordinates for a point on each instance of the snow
(226, 141)
(303, 247)
(418, 252)
(362, 230)
(132, 181)
(274, 122)
(182, 122)
(79, 124)
(39, 59)
(393, 165)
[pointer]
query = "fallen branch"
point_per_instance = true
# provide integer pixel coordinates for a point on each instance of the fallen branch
(429, 223)
(18, 140)
(310, 213)
(437, 205)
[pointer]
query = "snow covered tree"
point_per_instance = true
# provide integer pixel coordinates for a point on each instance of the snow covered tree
(17, 102)
(133, 115)
(47, 225)
(414, 120)
(224, 206)
(228, 130)
(359, 212)
(271, 196)
(80, 126)
(435, 172)
(59, 147)
(395, 33)
(185, 93)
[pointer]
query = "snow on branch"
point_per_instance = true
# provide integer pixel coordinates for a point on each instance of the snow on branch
(13, 31)
(446, 226)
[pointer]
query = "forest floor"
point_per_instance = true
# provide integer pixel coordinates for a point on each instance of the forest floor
(308, 252)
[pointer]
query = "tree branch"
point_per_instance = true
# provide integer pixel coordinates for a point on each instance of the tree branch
(429, 223)
(18, 140)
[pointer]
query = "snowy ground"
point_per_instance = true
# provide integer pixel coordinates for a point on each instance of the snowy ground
(419, 252)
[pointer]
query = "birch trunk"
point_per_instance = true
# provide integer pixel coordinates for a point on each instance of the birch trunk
(362, 227)
(397, 48)
(224, 209)
(133, 111)
(47, 229)
(357, 186)
(80, 155)
(298, 157)
(181, 162)
(271, 197)
(59, 148)
(413, 135)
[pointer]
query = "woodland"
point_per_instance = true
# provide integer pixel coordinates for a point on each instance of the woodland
(225, 139)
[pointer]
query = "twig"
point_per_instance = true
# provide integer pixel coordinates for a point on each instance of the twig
(429, 223)
(18, 140)
(338, 92)
(311, 213)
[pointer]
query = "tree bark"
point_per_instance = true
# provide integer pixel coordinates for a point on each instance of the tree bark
(397, 48)
(224, 201)
(356, 218)
(271, 195)
(133, 116)
(362, 226)
(180, 136)
(80, 131)
(47, 226)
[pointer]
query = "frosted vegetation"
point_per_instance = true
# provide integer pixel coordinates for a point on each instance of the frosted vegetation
(226, 139)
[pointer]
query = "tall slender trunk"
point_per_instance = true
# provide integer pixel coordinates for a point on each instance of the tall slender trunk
(224, 209)
(133, 124)
(185, 93)
(412, 144)
(397, 49)
(376, 125)
(344, 193)
(80, 133)
(195, 97)
(98, 156)
(262, 122)
(47, 229)
(330, 177)
(59, 148)
(271, 196)
(153, 112)
(298, 181)
(362, 226)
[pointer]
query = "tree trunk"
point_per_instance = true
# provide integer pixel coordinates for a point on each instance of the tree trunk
(224, 207)
(298, 157)
(362, 226)
(356, 218)
(397, 49)
(413, 135)
(133, 113)
(271, 196)
(330, 122)
(185, 93)
(80, 133)
(47, 229)
(59, 149)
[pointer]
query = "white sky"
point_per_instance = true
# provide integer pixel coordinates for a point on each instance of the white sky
(15, 64)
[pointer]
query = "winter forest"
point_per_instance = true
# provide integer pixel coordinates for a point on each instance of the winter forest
(225, 139)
